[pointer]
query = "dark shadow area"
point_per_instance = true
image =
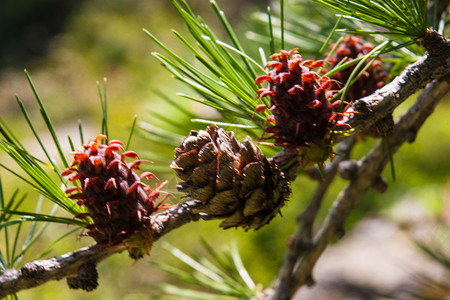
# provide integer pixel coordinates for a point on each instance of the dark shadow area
(26, 28)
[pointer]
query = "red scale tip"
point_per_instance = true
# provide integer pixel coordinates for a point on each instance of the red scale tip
(148, 175)
(308, 62)
(111, 148)
(262, 78)
(282, 77)
(261, 108)
(135, 164)
(130, 154)
(96, 160)
(155, 193)
(274, 65)
(114, 142)
(111, 183)
(317, 64)
(91, 182)
(99, 138)
(296, 89)
(79, 156)
(68, 171)
(310, 76)
(270, 119)
(294, 63)
(295, 50)
(265, 92)
(134, 186)
(114, 164)
(314, 104)
(71, 189)
(73, 177)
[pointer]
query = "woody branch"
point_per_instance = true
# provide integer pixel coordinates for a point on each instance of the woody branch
(306, 250)
(39, 272)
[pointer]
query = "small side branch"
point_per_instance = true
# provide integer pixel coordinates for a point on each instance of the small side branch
(301, 241)
(173, 218)
(39, 272)
(375, 107)
(369, 169)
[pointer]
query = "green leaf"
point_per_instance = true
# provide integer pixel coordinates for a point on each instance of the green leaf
(104, 105)
(41, 181)
(36, 135)
(239, 266)
(435, 253)
(225, 274)
(191, 262)
(282, 23)
(80, 130)
(401, 18)
(49, 124)
(224, 124)
(272, 40)
(184, 293)
(37, 217)
(226, 25)
(326, 43)
(160, 135)
(224, 81)
(9, 135)
(50, 247)
(133, 125)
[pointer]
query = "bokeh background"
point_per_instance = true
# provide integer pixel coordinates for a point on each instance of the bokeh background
(68, 46)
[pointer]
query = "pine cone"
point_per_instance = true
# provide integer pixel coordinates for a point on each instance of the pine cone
(118, 202)
(234, 180)
(372, 79)
(303, 116)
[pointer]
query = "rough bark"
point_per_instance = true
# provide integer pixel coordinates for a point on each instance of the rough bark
(39, 272)
(304, 253)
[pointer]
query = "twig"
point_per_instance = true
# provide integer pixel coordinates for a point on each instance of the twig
(38, 272)
(369, 169)
(415, 77)
(379, 105)
(301, 241)
(308, 216)
(173, 218)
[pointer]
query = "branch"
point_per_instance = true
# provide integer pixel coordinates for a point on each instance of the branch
(301, 241)
(73, 265)
(369, 170)
(377, 106)
(373, 110)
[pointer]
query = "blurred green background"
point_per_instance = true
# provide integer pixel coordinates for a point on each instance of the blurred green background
(68, 46)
